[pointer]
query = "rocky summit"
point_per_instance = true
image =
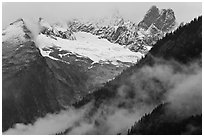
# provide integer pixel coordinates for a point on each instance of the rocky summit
(163, 19)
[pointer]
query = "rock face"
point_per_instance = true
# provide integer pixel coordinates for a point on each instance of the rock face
(27, 92)
(163, 19)
(150, 17)
(31, 85)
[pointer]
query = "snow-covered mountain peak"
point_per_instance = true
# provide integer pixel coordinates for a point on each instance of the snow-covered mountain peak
(61, 26)
(116, 19)
(44, 24)
(16, 32)
(56, 30)
(18, 21)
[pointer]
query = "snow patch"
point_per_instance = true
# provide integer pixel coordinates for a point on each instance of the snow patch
(46, 53)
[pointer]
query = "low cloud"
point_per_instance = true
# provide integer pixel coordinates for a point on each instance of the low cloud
(50, 124)
(180, 85)
(33, 27)
(186, 97)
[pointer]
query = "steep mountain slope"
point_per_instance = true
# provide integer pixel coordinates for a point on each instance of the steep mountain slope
(26, 90)
(152, 79)
(52, 71)
(183, 46)
(33, 85)
(159, 122)
(185, 49)
(97, 58)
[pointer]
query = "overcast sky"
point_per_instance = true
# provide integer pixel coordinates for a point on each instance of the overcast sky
(53, 12)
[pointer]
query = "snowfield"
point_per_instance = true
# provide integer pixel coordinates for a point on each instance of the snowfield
(90, 46)
(86, 45)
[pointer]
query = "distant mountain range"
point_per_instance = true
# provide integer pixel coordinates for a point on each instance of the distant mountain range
(137, 37)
